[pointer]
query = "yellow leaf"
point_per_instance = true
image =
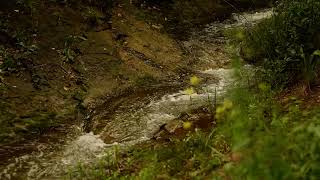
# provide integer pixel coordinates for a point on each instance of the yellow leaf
(189, 91)
(187, 125)
(194, 81)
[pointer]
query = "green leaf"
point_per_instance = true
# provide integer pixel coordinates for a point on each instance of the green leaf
(316, 53)
(302, 53)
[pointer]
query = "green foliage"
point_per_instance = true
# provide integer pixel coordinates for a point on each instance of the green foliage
(197, 155)
(14, 127)
(12, 61)
(29, 4)
(8, 62)
(268, 140)
(284, 44)
(94, 17)
(310, 63)
(70, 51)
(38, 122)
(275, 142)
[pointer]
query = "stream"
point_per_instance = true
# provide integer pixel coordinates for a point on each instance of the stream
(135, 121)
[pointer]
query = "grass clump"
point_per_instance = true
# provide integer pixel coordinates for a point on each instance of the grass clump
(270, 140)
(197, 155)
(286, 44)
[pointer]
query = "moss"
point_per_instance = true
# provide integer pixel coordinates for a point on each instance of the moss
(146, 80)
(39, 121)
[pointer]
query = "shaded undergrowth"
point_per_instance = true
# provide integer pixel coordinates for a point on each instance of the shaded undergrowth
(286, 45)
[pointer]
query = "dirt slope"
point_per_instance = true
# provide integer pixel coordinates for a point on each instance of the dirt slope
(67, 57)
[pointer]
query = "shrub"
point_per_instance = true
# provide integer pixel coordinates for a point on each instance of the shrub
(282, 43)
(271, 141)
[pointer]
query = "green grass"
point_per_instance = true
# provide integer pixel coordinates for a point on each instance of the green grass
(195, 155)
(275, 141)
(284, 43)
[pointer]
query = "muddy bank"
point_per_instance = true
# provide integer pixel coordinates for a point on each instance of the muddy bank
(67, 58)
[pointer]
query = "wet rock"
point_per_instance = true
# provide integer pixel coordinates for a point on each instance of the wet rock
(168, 128)
(158, 27)
(172, 126)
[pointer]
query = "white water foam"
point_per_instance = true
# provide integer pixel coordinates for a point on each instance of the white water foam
(132, 127)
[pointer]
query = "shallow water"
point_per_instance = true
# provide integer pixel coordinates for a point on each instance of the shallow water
(138, 122)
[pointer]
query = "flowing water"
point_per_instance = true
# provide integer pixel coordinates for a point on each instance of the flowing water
(138, 121)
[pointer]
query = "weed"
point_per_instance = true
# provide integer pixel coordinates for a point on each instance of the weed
(284, 44)
(310, 63)
(193, 156)
(94, 17)
(12, 60)
(70, 50)
(8, 63)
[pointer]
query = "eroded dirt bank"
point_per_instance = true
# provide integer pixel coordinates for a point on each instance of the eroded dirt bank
(95, 69)
(69, 58)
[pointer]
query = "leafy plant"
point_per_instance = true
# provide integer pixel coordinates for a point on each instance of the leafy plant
(94, 17)
(310, 64)
(276, 43)
(8, 62)
(70, 51)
